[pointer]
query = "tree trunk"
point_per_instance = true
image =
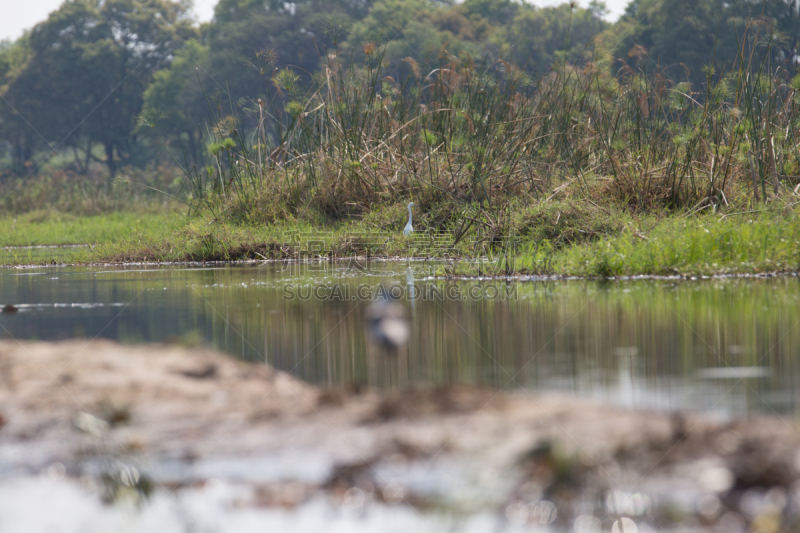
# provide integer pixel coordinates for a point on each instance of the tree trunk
(82, 161)
(87, 160)
(112, 167)
(22, 152)
(17, 151)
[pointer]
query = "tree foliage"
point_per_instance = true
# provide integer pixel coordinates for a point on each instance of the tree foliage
(77, 82)
(86, 70)
(685, 36)
(175, 103)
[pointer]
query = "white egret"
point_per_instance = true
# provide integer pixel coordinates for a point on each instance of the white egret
(409, 228)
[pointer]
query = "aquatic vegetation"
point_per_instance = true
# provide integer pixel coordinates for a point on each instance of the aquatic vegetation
(471, 133)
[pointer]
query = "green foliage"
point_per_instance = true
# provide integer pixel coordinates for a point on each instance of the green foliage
(250, 36)
(567, 223)
(176, 95)
(86, 70)
(66, 192)
(684, 36)
(420, 29)
(767, 241)
(537, 38)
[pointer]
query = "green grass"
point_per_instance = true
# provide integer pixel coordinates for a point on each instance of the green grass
(204, 238)
(45, 228)
(752, 242)
(571, 237)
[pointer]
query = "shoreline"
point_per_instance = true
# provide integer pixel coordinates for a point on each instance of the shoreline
(457, 277)
(538, 244)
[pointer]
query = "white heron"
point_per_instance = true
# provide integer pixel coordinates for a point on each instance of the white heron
(409, 228)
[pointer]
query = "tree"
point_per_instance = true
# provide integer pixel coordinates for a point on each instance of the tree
(417, 29)
(537, 37)
(296, 35)
(783, 20)
(21, 139)
(683, 36)
(90, 63)
(176, 95)
(496, 11)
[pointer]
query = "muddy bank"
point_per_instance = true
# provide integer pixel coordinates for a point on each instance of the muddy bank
(165, 438)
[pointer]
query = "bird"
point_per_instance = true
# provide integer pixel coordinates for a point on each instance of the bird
(387, 323)
(409, 228)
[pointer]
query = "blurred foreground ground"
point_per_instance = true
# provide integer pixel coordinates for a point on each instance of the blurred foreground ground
(100, 437)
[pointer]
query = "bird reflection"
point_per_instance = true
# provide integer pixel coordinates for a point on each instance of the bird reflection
(387, 323)
(410, 288)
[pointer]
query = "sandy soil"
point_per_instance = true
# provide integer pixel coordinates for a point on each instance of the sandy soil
(98, 436)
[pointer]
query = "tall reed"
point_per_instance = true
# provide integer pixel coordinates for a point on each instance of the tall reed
(482, 134)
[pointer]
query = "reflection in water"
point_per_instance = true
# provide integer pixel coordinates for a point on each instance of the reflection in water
(724, 345)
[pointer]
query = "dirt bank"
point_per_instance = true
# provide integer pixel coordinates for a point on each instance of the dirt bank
(189, 429)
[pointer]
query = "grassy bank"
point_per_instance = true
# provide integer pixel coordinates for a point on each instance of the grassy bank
(755, 241)
(571, 237)
(567, 239)
(46, 228)
(577, 173)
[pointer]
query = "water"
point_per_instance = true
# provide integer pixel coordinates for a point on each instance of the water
(726, 347)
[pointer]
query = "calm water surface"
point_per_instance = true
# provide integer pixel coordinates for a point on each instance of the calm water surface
(728, 347)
